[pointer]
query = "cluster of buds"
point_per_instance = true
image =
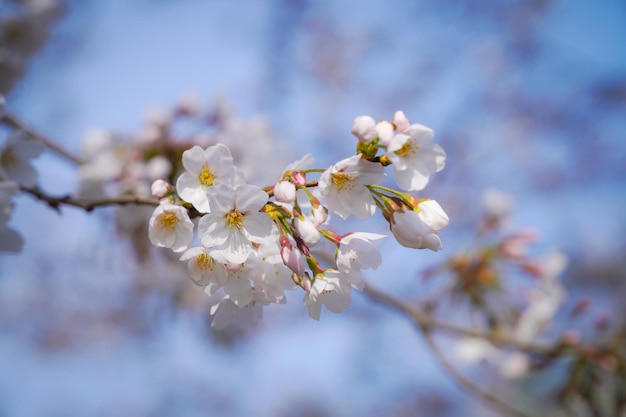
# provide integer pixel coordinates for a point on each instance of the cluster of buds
(255, 243)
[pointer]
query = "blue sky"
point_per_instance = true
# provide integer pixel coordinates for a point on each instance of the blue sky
(309, 73)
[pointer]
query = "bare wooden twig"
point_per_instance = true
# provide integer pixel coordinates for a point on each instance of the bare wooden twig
(89, 204)
(14, 122)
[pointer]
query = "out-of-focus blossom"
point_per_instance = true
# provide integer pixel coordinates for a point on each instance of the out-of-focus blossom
(10, 240)
(15, 159)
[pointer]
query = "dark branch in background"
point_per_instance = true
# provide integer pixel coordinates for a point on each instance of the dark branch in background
(12, 121)
(89, 204)
(426, 323)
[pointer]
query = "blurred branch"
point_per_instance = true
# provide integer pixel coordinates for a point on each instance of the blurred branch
(89, 204)
(426, 323)
(14, 122)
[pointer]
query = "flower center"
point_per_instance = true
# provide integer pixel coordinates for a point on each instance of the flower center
(207, 176)
(167, 221)
(204, 262)
(342, 181)
(409, 147)
(235, 219)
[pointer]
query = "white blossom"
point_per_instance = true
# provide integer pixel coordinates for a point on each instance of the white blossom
(418, 229)
(414, 157)
(330, 289)
(204, 269)
(345, 186)
(204, 168)
(170, 227)
(357, 251)
(235, 222)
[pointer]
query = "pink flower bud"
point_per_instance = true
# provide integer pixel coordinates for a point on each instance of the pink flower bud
(160, 188)
(385, 132)
(293, 259)
(320, 215)
(400, 121)
(298, 178)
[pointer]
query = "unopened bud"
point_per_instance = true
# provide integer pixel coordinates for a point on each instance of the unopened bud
(160, 188)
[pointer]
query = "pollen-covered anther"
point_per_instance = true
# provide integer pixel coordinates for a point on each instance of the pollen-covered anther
(343, 181)
(235, 219)
(408, 148)
(204, 262)
(167, 220)
(207, 176)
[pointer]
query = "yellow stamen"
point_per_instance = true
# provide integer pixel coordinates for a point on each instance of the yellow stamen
(207, 176)
(204, 262)
(235, 219)
(409, 147)
(342, 181)
(167, 220)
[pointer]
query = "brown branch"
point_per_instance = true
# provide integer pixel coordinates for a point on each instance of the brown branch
(89, 204)
(14, 122)
(486, 397)
(427, 323)
(424, 320)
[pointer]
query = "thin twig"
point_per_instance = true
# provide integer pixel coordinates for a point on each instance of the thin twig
(14, 122)
(426, 323)
(486, 397)
(89, 204)
(423, 319)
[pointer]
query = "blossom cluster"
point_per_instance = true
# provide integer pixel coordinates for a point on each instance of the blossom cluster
(15, 171)
(254, 243)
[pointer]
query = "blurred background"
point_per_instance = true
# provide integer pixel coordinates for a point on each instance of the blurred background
(528, 97)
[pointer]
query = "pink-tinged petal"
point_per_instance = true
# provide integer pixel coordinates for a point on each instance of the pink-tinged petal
(400, 121)
(385, 132)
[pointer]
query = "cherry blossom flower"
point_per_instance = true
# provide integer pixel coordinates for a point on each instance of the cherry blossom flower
(15, 159)
(357, 251)
(227, 313)
(235, 222)
(170, 227)
(345, 186)
(417, 229)
(204, 269)
(330, 289)
(414, 157)
(204, 169)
